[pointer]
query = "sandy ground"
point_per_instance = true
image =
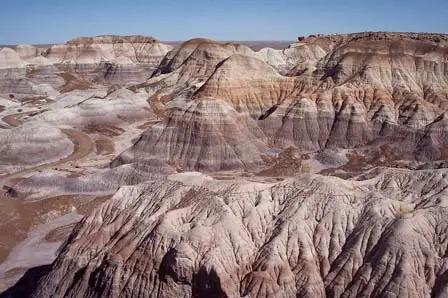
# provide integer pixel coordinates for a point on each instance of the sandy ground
(31, 232)
(41, 225)
(35, 250)
(14, 119)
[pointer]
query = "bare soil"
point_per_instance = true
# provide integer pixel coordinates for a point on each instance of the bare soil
(60, 233)
(15, 119)
(364, 159)
(103, 129)
(73, 83)
(104, 147)
(288, 163)
(18, 218)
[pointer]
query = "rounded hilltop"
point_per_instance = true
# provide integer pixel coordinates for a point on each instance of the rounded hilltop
(218, 169)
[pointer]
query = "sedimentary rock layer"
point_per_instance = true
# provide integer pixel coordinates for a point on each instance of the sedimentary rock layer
(79, 64)
(328, 91)
(276, 129)
(312, 236)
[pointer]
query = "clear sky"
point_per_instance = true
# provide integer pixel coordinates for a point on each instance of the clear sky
(48, 21)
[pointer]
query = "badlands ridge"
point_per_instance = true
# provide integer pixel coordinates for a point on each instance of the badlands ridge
(134, 168)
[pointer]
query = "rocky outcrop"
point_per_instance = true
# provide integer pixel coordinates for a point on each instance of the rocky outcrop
(327, 91)
(206, 135)
(110, 59)
(81, 63)
(328, 162)
(312, 236)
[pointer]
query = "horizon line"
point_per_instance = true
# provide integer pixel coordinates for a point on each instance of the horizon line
(223, 40)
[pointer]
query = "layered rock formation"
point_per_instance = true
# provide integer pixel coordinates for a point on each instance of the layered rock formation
(327, 92)
(323, 164)
(111, 59)
(206, 134)
(29, 145)
(81, 63)
(309, 237)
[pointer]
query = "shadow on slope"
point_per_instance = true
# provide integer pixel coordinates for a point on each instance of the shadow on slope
(26, 285)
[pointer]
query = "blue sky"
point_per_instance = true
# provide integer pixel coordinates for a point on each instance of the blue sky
(47, 21)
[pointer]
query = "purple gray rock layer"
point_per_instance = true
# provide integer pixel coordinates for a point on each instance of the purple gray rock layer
(364, 103)
(351, 91)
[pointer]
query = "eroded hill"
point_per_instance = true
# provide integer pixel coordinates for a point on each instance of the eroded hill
(318, 170)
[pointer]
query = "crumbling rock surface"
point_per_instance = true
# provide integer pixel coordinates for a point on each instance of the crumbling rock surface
(323, 165)
(364, 88)
(312, 236)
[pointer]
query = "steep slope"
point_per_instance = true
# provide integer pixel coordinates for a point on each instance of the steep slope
(309, 237)
(10, 59)
(12, 72)
(342, 91)
(189, 65)
(248, 84)
(199, 57)
(204, 135)
(28, 52)
(328, 161)
(297, 59)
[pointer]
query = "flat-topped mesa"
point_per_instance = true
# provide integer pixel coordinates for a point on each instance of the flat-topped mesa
(109, 59)
(80, 63)
(112, 39)
(377, 36)
(139, 49)
(400, 65)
